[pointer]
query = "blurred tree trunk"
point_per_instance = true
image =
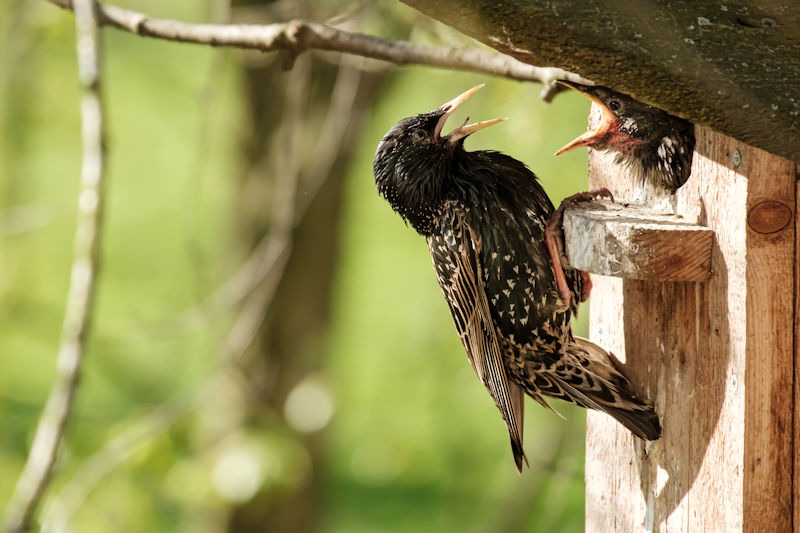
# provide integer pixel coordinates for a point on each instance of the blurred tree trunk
(300, 140)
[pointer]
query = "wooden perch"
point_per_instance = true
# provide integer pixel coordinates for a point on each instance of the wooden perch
(631, 242)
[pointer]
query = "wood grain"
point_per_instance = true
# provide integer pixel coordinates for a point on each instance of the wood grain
(717, 358)
(796, 429)
(630, 242)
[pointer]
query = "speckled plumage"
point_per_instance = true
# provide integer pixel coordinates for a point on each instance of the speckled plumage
(484, 215)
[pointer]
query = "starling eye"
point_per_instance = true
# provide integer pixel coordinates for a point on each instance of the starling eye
(418, 136)
(614, 105)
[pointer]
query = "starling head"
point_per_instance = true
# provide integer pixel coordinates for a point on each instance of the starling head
(414, 162)
(657, 145)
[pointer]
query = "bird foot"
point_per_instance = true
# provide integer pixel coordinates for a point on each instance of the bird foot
(554, 239)
(585, 196)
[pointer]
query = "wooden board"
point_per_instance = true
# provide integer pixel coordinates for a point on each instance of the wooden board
(631, 242)
(717, 357)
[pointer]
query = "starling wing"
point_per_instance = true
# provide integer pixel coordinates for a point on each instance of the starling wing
(455, 251)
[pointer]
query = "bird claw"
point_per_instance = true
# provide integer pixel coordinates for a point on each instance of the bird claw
(586, 196)
(554, 239)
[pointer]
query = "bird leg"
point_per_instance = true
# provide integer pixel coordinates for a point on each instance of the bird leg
(554, 238)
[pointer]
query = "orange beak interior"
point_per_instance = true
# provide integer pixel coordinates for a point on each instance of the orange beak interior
(608, 122)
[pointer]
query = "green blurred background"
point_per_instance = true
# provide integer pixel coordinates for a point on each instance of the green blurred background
(327, 393)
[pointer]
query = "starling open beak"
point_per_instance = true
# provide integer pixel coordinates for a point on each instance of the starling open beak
(608, 121)
(465, 129)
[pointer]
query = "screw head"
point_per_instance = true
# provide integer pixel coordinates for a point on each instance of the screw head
(737, 158)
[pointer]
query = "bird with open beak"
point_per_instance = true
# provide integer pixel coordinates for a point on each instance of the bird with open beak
(656, 146)
(484, 216)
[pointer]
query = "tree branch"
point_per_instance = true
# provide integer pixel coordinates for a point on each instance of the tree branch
(297, 36)
(42, 456)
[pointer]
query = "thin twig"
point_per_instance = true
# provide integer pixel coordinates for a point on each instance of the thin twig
(297, 36)
(49, 433)
(59, 509)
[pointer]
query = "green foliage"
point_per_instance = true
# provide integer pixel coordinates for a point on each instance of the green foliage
(415, 444)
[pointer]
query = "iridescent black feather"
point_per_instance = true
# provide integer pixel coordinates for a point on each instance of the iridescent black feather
(484, 215)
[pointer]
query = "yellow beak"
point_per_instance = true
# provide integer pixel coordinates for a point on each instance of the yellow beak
(465, 129)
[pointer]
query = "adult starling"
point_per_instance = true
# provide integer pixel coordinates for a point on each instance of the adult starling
(484, 214)
(655, 145)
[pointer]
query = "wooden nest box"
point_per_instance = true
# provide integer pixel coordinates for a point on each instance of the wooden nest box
(702, 307)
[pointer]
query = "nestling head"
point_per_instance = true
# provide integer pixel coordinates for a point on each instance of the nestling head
(623, 122)
(657, 145)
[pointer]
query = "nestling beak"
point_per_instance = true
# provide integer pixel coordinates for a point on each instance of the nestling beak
(465, 129)
(608, 121)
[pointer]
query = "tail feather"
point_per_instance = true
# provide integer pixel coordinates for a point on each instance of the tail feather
(642, 423)
(517, 397)
(593, 378)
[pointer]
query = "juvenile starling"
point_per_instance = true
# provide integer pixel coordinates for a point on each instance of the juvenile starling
(655, 145)
(484, 214)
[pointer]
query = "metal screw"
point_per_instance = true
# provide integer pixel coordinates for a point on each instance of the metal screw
(737, 158)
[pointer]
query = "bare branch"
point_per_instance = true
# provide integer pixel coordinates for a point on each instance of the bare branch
(50, 431)
(297, 36)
